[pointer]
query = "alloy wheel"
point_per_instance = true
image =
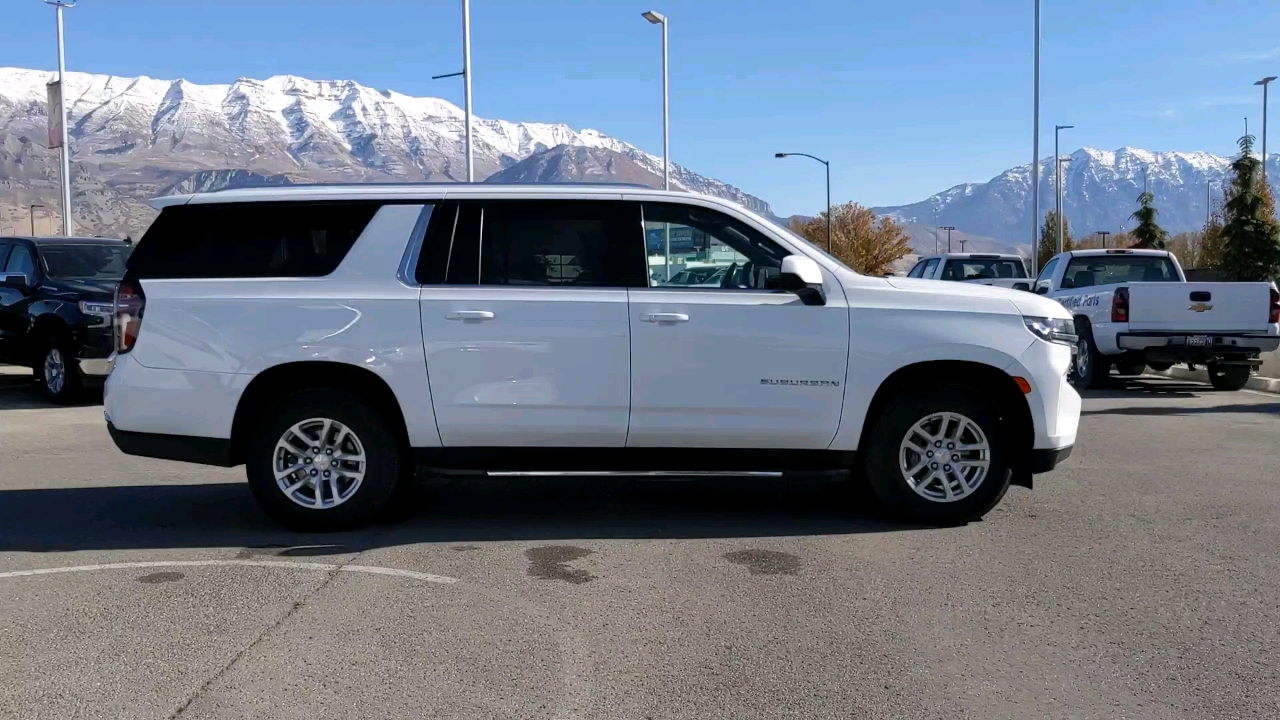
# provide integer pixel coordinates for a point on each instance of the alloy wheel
(319, 463)
(944, 457)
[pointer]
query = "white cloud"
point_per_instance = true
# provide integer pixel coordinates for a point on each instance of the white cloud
(1244, 57)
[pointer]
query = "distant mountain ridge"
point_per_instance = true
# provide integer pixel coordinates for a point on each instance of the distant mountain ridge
(1100, 190)
(134, 138)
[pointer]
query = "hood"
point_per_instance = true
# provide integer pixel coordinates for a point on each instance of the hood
(959, 293)
(83, 288)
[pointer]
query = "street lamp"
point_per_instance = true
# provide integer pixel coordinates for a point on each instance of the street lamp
(1104, 234)
(67, 225)
(1057, 178)
(658, 18)
(948, 228)
(1264, 82)
(828, 166)
(31, 212)
(466, 84)
(1035, 147)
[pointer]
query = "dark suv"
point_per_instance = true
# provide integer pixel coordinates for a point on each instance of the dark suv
(56, 297)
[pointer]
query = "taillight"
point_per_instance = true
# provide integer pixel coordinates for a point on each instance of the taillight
(1275, 306)
(129, 304)
(1120, 305)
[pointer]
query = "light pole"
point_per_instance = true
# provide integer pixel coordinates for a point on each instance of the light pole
(1035, 149)
(1104, 234)
(31, 212)
(1057, 175)
(828, 166)
(658, 18)
(1057, 179)
(935, 230)
(466, 84)
(948, 228)
(1264, 82)
(68, 226)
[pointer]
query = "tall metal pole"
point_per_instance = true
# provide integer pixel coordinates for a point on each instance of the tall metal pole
(828, 166)
(466, 83)
(1035, 151)
(948, 228)
(666, 123)
(1264, 82)
(1057, 183)
(31, 211)
(68, 225)
(1104, 234)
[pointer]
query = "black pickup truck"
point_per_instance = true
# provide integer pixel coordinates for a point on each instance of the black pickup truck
(56, 314)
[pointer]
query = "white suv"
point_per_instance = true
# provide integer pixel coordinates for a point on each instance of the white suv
(333, 338)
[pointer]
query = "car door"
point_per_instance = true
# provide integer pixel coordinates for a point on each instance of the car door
(739, 365)
(524, 321)
(13, 300)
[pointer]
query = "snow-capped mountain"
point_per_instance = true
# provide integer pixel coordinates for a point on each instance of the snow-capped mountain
(136, 137)
(1100, 191)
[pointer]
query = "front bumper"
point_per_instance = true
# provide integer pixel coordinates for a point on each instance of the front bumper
(1042, 461)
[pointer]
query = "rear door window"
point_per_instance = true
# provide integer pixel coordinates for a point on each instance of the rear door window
(244, 240)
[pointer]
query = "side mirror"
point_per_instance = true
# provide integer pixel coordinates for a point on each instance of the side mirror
(802, 276)
(17, 280)
(1042, 290)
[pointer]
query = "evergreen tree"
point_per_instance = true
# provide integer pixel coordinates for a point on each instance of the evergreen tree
(1049, 239)
(1148, 233)
(1252, 237)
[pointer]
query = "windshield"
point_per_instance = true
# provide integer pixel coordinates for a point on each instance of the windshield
(1109, 269)
(85, 262)
(984, 269)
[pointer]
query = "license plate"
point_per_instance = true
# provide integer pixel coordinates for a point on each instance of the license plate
(1197, 341)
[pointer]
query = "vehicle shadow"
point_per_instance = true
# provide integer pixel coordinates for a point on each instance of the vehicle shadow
(1272, 408)
(1130, 387)
(442, 511)
(20, 391)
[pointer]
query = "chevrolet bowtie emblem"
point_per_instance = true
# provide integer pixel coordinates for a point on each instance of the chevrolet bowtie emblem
(1200, 307)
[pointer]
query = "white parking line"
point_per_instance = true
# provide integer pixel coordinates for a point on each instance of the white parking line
(284, 565)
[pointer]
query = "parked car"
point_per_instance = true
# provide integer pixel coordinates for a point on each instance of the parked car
(1134, 309)
(981, 268)
(332, 338)
(56, 308)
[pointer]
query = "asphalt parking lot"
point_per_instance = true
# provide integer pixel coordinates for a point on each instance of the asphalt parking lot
(1140, 580)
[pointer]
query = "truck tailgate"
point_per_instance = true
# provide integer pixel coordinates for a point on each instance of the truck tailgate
(1199, 307)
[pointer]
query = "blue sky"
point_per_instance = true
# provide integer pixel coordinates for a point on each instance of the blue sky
(905, 98)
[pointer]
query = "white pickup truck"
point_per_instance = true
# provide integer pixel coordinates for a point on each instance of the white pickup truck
(1134, 309)
(1009, 271)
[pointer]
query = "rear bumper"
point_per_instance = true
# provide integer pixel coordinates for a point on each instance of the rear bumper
(1042, 461)
(1168, 347)
(95, 367)
(183, 448)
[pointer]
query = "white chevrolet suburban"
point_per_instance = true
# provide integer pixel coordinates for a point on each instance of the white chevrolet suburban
(1134, 309)
(335, 338)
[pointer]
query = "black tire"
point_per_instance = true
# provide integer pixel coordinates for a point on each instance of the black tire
(1090, 367)
(1228, 377)
(59, 373)
(384, 464)
(883, 454)
(1159, 366)
(1131, 367)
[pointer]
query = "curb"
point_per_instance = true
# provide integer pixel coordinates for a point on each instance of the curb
(1261, 384)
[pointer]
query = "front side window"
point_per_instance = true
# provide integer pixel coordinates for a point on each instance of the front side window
(917, 271)
(21, 262)
(692, 247)
(1093, 270)
(929, 267)
(85, 261)
(1046, 272)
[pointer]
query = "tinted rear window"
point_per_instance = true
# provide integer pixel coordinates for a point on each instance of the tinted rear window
(244, 240)
(983, 269)
(1093, 270)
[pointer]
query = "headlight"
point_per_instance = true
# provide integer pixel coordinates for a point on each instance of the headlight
(1054, 330)
(104, 309)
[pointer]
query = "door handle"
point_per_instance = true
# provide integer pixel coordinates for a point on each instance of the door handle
(665, 317)
(470, 315)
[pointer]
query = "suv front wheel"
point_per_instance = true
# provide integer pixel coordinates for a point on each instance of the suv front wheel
(938, 456)
(323, 460)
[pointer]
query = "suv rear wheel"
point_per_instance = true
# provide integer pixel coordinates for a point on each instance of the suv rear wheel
(1228, 377)
(938, 456)
(323, 460)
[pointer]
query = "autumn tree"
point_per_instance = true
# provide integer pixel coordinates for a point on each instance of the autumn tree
(863, 241)
(1049, 238)
(1148, 233)
(1251, 235)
